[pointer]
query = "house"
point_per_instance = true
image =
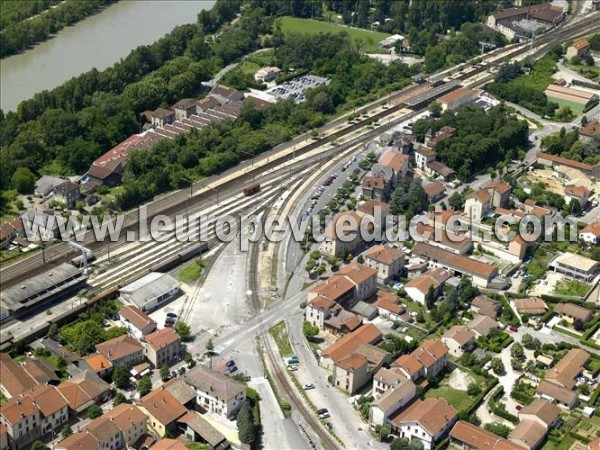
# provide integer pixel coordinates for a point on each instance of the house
(197, 429)
(48, 225)
(321, 308)
(478, 205)
(518, 246)
(455, 99)
(355, 369)
(529, 434)
(83, 390)
(81, 440)
(532, 306)
(388, 261)
(225, 94)
(122, 350)
(343, 234)
(446, 132)
(482, 325)
(215, 392)
(423, 156)
(67, 193)
(579, 193)
(435, 191)
(170, 444)
(14, 380)
(386, 379)
(579, 48)
(374, 208)
(267, 73)
(499, 192)
(46, 184)
(393, 399)
(150, 291)
(575, 266)
(3, 437)
(466, 436)
(9, 231)
(389, 307)
(40, 371)
(565, 372)
(138, 323)
(438, 169)
(427, 420)
(587, 133)
(428, 359)
(486, 306)
(481, 273)
(418, 288)
(398, 163)
(507, 21)
(130, 420)
(554, 161)
(591, 233)
(162, 410)
(541, 411)
(375, 186)
(206, 103)
(184, 108)
(163, 347)
(98, 363)
(459, 243)
(161, 117)
(344, 346)
(183, 392)
(31, 415)
(572, 312)
(341, 322)
(560, 395)
(363, 277)
(459, 339)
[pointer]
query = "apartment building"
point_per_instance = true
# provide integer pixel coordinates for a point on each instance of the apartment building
(163, 347)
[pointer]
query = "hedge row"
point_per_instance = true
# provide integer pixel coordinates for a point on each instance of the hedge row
(501, 410)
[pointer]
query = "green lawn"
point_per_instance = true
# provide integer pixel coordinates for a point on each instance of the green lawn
(576, 107)
(191, 272)
(298, 25)
(460, 400)
(280, 334)
(249, 67)
(574, 287)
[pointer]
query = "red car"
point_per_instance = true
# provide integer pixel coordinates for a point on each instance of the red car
(514, 329)
(518, 407)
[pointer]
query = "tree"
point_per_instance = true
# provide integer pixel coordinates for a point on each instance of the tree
(382, 432)
(584, 121)
(360, 259)
(400, 444)
(435, 108)
(310, 330)
(527, 340)
(164, 373)
(183, 330)
(120, 376)
(497, 366)
(188, 358)
(416, 444)
(210, 347)
(430, 298)
(65, 432)
(53, 331)
(498, 429)
(38, 445)
(473, 389)
(245, 423)
(144, 385)
(23, 180)
(119, 398)
(94, 412)
(456, 201)
(516, 351)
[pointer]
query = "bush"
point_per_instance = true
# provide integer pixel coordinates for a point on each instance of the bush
(94, 412)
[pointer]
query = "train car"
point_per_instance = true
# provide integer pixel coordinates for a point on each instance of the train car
(181, 257)
(252, 189)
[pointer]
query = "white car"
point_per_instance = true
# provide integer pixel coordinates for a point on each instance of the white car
(308, 386)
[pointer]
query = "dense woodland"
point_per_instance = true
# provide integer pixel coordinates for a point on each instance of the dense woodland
(63, 130)
(483, 139)
(20, 29)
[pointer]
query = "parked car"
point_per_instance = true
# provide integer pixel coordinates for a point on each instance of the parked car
(181, 371)
(292, 368)
(514, 329)
(230, 369)
(518, 407)
(308, 386)
(230, 363)
(324, 415)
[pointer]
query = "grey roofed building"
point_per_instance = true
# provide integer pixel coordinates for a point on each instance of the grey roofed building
(150, 291)
(205, 431)
(46, 184)
(209, 380)
(182, 391)
(42, 288)
(365, 309)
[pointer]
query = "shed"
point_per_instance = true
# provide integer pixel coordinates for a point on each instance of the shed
(150, 291)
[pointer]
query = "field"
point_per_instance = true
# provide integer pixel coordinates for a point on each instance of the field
(298, 25)
(574, 287)
(191, 272)
(280, 334)
(576, 107)
(457, 398)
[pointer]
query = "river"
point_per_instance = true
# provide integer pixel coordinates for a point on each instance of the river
(98, 41)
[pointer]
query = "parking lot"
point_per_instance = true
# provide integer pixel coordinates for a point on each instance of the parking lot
(295, 88)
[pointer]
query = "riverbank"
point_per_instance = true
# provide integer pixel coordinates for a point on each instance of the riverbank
(98, 41)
